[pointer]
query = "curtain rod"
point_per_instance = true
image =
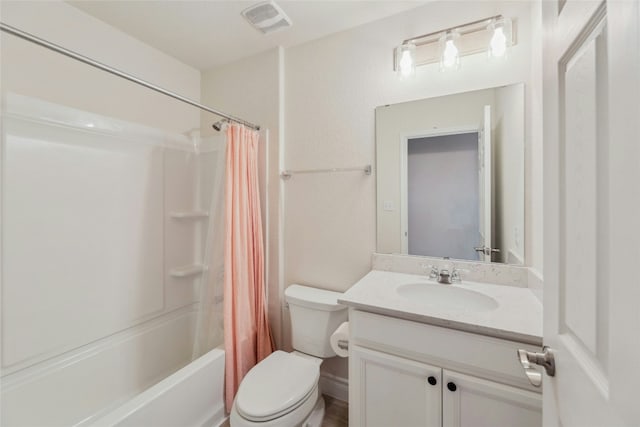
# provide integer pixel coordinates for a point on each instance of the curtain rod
(71, 54)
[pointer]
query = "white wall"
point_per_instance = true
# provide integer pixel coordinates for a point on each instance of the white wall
(333, 86)
(508, 158)
(251, 89)
(533, 208)
(34, 71)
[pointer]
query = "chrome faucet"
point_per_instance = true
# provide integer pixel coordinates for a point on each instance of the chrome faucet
(444, 275)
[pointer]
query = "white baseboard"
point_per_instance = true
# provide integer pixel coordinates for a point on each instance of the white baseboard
(334, 386)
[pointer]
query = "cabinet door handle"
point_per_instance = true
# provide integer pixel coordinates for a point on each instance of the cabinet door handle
(432, 380)
(451, 386)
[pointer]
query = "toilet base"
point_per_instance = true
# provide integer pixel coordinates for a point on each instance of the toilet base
(317, 414)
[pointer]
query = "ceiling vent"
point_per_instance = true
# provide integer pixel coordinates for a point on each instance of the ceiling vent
(266, 17)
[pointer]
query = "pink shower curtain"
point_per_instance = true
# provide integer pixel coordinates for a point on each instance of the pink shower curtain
(247, 339)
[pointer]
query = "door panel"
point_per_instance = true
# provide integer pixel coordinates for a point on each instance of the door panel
(391, 391)
(473, 402)
(591, 78)
(583, 174)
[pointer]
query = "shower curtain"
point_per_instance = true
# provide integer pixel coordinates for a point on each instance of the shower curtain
(209, 326)
(247, 338)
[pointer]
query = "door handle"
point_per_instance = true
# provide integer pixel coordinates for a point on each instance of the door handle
(485, 250)
(544, 359)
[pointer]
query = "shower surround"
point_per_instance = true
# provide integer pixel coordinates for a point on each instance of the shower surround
(105, 225)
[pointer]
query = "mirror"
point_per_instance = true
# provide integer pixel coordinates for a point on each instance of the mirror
(450, 176)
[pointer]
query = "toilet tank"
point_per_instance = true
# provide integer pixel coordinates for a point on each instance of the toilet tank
(315, 314)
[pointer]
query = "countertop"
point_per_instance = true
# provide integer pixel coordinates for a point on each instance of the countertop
(518, 316)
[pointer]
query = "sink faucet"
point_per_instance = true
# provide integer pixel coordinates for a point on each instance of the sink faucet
(444, 275)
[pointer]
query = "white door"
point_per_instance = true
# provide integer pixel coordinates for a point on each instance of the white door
(392, 391)
(592, 212)
(484, 182)
(473, 402)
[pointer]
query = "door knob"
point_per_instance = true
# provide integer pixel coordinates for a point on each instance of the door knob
(544, 359)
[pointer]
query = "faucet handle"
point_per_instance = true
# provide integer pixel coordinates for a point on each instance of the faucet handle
(455, 274)
(433, 270)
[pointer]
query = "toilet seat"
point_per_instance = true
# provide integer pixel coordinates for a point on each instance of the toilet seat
(276, 386)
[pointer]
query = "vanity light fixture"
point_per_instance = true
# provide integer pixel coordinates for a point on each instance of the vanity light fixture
(494, 35)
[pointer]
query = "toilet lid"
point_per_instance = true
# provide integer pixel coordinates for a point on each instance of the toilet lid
(276, 386)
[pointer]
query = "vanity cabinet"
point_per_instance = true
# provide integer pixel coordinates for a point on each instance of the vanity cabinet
(394, 391)
(410, 374)
(469, 401)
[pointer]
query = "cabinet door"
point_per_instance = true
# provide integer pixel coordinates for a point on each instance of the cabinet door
(388, 391)
(471, 402)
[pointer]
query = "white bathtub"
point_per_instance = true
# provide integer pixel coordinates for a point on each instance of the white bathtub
(191, 397)
(143, 376)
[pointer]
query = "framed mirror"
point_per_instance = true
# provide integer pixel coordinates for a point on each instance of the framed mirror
(450, 176)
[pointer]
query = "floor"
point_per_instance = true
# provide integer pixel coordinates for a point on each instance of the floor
(336, 413)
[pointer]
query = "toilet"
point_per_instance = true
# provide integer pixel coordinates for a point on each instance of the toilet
(282, 390)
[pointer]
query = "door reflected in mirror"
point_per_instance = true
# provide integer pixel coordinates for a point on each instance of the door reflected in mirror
(450, 176)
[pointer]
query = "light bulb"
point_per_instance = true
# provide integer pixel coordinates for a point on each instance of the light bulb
(450, 56)
(498, 44)
(501, 39)
(448, 51)
(406, 62)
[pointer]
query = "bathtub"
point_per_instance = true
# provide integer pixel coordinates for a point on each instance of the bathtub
(191, 397)
(141, 377)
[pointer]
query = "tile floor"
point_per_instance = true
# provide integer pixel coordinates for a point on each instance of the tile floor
(336, 413)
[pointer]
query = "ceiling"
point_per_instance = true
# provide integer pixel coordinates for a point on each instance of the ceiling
(207, 34)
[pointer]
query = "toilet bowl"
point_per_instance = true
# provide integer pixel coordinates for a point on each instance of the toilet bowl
(282, 390)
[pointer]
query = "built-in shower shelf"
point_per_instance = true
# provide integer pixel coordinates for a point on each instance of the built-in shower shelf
(187, 270)
(189, 215)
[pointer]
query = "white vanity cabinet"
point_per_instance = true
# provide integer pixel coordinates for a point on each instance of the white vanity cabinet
(409, 374)
(393, 391)
(469, 401)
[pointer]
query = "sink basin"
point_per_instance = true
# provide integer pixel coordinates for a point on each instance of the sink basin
(446, 297)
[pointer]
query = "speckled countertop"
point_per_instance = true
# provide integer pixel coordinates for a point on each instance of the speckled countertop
(517, 317)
